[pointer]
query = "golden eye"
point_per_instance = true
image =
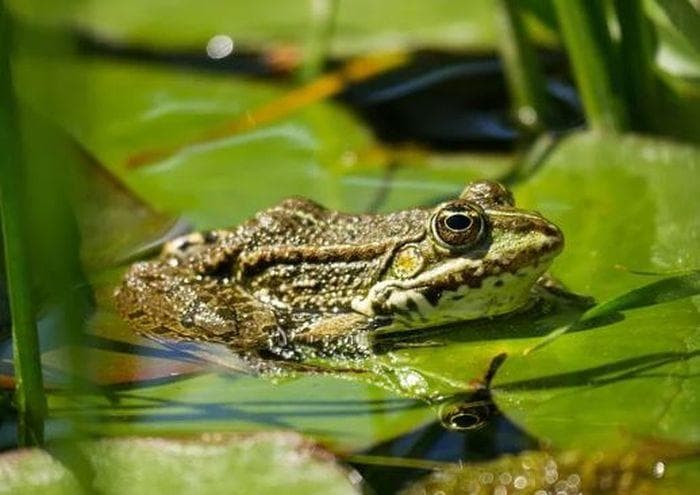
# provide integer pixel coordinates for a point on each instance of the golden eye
(458, 225)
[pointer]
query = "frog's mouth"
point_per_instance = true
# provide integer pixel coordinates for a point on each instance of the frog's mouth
(463, 288)
(474, 296)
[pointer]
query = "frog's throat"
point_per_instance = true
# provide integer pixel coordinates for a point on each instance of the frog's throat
(480, 294)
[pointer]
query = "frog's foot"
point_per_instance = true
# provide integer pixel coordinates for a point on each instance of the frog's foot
(181, 245)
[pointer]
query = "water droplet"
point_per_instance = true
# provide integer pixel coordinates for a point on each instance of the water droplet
(574, 480)
(486, 478)
(219, 46)
(500, 490)
(658, 470)
(527, 115)
(505, 478)
(520, 482)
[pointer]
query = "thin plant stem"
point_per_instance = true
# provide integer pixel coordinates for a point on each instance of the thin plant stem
(323, 16)
(522, 69)
(29, 395)
(637, 58)
(587, 39)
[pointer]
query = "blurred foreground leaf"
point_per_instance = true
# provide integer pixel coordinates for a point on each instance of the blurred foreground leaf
(565, 473)
(212, 464)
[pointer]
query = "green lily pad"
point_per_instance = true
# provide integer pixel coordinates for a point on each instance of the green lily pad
(212, 464)
(628, 207)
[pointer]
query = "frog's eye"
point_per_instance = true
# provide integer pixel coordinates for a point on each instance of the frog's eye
(458, 225)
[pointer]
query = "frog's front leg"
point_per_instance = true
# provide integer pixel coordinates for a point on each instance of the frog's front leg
(336, 334)
(392, 296)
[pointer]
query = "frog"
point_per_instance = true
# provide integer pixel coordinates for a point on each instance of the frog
(300, 276)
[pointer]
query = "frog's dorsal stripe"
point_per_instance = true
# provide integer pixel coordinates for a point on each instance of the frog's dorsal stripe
(259, 259)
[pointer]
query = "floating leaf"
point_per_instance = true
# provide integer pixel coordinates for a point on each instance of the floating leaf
(630, 370)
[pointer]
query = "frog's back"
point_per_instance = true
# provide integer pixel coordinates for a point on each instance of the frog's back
(303, 256)
(300, 222)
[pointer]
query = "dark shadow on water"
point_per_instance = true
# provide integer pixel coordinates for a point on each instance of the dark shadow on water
(491, 436)
(434, 443)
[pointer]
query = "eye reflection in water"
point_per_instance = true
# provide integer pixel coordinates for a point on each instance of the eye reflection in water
(466, 415)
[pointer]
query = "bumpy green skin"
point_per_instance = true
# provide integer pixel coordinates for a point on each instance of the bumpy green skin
(298, 273)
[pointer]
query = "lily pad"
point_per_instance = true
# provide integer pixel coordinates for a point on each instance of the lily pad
(211, 464)
(631, 227)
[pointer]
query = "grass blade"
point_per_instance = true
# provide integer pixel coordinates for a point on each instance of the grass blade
(30, 399)
(522, 69)
(585, 33)
(637, 61)
(685, 17)
(320, 35)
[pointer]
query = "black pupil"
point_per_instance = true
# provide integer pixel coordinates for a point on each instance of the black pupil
(458, 222)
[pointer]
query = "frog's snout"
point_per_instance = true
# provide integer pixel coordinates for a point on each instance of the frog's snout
(526, 231)
(546, 239)
(553, 237)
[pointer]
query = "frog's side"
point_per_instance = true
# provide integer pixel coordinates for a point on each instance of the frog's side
(298, 273)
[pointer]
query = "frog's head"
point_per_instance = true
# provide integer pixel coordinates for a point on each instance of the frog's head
(480, 257)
